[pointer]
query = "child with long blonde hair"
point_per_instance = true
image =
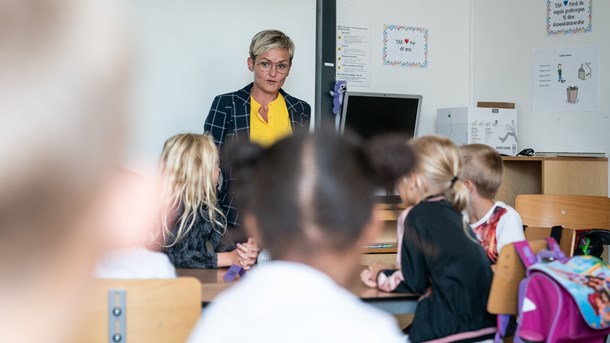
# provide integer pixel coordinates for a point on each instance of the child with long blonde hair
(192, 224)
(438, 256)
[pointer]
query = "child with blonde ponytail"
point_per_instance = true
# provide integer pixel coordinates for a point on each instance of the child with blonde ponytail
(438, 255)
(192, 224)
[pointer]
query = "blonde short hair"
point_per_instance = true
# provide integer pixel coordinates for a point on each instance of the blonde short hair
(187, 167)
(483, 167)
(270, 39)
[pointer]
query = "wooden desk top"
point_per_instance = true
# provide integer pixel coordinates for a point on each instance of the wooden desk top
(212, 283)
(553, 158)
(381, 248)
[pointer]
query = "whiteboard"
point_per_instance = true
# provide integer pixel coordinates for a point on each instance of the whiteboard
(188, 51)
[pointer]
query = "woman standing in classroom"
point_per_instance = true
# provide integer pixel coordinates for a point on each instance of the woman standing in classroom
(260, 112)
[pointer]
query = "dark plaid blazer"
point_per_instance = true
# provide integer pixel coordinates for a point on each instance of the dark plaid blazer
(229, 120)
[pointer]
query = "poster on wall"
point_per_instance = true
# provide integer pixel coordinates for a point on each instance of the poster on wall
(566, 79)
(565, 17)
(405, 46)
(354, 54)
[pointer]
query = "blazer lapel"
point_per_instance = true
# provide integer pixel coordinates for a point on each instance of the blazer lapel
(242, 113)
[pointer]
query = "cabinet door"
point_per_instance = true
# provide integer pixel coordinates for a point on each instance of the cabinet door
(521, 176)
(578, 177)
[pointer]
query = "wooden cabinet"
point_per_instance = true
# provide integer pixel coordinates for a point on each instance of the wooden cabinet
(553, 175)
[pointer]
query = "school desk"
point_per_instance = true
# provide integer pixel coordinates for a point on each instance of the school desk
(212, 284)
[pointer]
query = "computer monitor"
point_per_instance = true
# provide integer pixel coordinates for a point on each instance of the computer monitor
(371, 114)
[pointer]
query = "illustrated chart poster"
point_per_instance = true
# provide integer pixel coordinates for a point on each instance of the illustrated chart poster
(566, 80)
(405, 46)
(568, 16)
(354, 54)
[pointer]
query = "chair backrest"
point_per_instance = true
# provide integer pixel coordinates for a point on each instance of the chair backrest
(572, 211)
(507, 276)
(155, 310)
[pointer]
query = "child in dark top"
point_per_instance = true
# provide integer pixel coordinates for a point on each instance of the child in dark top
(439, 255)
(193, 225)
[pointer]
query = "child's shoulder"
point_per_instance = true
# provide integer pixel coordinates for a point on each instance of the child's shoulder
(509, 210)
(498, 213)
(431, 208)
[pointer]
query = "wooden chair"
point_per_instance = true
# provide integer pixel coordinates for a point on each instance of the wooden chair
(574, 212)
(153, 310)
(508, 274)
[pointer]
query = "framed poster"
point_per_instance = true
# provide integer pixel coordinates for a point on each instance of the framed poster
(568, 16)
(405, 46)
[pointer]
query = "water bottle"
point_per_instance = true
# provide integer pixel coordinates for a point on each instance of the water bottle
(263, 256)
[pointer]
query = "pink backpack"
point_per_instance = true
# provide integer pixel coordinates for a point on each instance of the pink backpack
(562, 299)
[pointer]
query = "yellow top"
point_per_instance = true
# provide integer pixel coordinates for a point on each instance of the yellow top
(277, 125)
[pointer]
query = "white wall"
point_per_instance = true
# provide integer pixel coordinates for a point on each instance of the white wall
(480, 50)
(505, 32)
(188, 51)
(445, 83)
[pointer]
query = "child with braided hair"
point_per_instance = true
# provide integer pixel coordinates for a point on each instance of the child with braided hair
(439, 256)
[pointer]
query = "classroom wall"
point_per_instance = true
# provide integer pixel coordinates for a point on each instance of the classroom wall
(505, 32)
(188, 51)
(481, 50)
(445, 82)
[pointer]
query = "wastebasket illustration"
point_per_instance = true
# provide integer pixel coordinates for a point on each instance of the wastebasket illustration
(572, 93)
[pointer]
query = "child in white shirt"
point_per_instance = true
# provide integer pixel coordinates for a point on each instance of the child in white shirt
(310, 201)
(494, 223)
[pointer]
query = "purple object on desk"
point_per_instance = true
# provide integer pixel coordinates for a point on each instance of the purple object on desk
(232, 273)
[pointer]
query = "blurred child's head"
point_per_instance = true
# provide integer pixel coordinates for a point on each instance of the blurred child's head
(62, 102)
(396, 162)
(189, 175)
(63, 92)
(438, 168)
(483, 168)
(127, 210)
(306, 195)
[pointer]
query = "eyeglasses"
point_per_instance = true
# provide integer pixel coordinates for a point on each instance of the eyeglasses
(265, 66)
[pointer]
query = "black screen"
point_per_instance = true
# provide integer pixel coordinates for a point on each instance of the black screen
(373, 114)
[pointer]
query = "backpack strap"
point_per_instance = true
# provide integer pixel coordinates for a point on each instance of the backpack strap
(556, 232)
(502, 321)
(555, 249)
(527, 256)
(525, 253)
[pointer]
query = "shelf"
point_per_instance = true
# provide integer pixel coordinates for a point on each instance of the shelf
(553, 175)
(381, 248)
